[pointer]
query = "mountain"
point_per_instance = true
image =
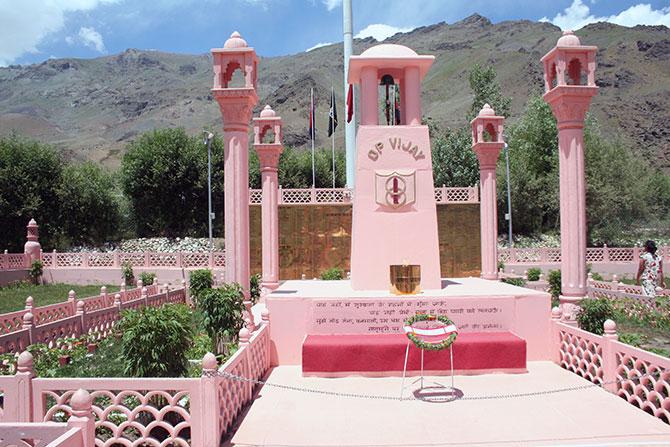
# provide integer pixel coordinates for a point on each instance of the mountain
(92, 108)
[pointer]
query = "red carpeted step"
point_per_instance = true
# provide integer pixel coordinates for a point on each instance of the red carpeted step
(386, 352)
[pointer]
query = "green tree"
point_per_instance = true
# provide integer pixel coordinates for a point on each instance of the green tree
(487, 90)
(454, 161)
(164, 176)
(29, 175)
(89, 211)
(533, 146)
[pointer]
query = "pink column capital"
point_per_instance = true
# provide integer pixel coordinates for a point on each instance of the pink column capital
(569, 88)
(487, 140)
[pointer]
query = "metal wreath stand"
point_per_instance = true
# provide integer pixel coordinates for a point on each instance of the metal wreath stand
(434, 336)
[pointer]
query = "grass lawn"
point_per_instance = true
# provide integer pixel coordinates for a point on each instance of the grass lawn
(13, 297)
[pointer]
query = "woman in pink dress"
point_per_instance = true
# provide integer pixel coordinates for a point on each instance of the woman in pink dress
(650, 272)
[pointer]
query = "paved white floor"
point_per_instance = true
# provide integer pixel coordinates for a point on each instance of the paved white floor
(591, 417)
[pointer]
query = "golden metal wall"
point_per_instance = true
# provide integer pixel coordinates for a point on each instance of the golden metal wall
(315, 238)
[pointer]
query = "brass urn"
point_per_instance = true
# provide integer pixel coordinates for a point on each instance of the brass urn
(405, 279)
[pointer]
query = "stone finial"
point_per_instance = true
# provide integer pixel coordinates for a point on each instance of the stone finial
(609, 327)
(235, 41)
(166, 287)
(29, 303)
(267, 112)
(155, 281)
(144, 292)
(103, 290)
(568, 39)
(139, 284)
(245, 335)
(556, 313)
(209, 361)
(487, 110)
(81, 401)
(28, 319)
(117, 299)
(265, 315)
(80, 307)
(183, 283)
(71, 295)
(25, 362)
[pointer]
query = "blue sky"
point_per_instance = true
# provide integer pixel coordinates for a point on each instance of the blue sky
(34, 30)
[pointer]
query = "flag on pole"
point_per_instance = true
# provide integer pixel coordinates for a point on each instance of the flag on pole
(332, 114)
(350, 103)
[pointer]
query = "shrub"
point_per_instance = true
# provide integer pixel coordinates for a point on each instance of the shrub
(554, 280)
(596, 276)
(220, 311)
(255, 288)
(593, 314)
(199, 281)
(501, 266)
(332, 274)
(533, 274)
(155, 340)
(147, 278)
(633, 339)
(36, 270)
(520, 282)
(127, 274)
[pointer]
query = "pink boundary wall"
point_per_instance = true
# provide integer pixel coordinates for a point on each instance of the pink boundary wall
(95, 316)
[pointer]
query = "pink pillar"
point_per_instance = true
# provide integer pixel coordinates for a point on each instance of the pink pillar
(236, 104)
(569, 103)
(412, 96)
(32, 248)
(268, 155)
(488, 150)
(369, 103)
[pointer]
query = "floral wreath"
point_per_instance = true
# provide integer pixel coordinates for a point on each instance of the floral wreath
(430, 346)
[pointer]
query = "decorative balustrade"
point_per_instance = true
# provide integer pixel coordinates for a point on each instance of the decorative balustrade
(189, 260)
(552, 255)
(618, 290)
(89, 316)
(344, 196)
(191, 412)
(636, 375)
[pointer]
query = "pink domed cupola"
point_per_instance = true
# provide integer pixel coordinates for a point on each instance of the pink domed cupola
(569, 63)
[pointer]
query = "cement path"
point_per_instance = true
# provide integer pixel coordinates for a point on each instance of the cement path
(591, 417)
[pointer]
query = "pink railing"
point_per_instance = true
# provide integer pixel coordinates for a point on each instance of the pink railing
(194, 412)
(619, 368)
(95, 320)
(41, 434)
(55, 259)
(617, 290)
(344, 196)
(602, 255)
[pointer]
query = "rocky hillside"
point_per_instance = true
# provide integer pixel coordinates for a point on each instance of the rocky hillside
(93, 107)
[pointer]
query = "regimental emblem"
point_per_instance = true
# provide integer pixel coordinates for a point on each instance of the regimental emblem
(395, 188)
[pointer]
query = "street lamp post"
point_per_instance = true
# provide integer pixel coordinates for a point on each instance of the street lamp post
(210, 215)
(508, 216)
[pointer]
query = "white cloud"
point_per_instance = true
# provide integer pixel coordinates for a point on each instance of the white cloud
(331, 4)
(92, 39)
(380, 31)
(26, 23)
(578, 15)
(318, 45)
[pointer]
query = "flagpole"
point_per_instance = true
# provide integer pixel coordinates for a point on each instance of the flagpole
(332, 96)
(312, 117)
